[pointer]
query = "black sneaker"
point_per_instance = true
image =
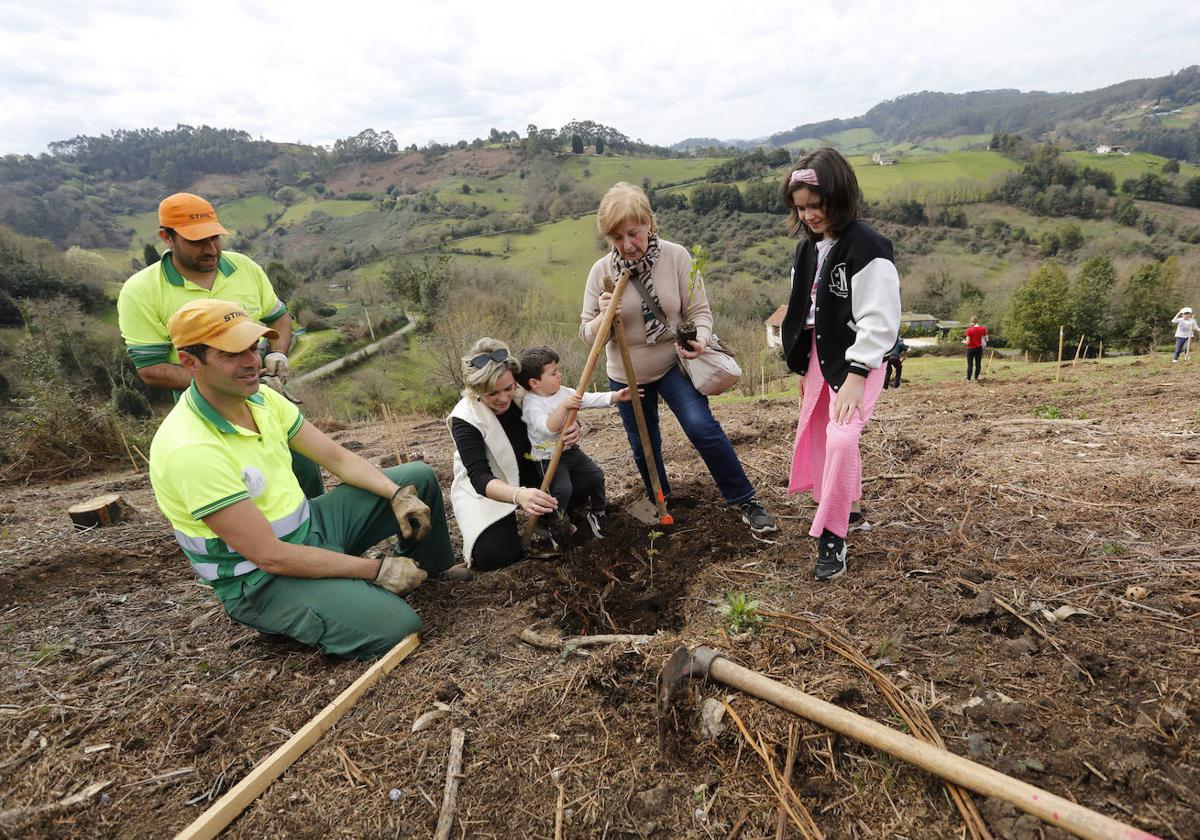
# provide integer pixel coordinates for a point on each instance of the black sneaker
(831, 557)
(756, 516)
(858, 521)
(599, 524)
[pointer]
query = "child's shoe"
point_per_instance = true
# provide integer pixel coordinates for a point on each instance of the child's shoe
(831, 556)
(598, 522)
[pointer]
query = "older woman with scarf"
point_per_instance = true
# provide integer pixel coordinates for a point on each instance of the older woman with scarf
(493, 473)
(659, 287)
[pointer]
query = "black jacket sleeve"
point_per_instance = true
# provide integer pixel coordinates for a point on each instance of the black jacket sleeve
(469, 442)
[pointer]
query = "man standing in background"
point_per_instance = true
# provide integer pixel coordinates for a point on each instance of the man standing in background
(976, 340)
(195, 268)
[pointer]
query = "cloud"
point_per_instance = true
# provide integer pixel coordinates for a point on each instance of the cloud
(315, 72)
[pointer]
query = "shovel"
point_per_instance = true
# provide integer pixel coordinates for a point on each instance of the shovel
(704, 662)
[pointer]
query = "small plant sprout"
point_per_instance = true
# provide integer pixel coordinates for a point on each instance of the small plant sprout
(687, 330)
(740, 612)
(651, 551)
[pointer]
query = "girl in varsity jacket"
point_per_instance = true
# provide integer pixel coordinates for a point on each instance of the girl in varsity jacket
(843, 316)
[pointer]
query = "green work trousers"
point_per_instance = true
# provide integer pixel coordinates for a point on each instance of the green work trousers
(308, 473)
(342, 616)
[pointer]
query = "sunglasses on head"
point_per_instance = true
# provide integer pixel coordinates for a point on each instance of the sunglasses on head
(496, 356)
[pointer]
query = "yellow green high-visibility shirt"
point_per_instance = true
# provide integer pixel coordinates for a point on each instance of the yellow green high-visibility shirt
(201, 463)
(149, 299)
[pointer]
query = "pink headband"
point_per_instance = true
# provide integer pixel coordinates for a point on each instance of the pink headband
(803, 176)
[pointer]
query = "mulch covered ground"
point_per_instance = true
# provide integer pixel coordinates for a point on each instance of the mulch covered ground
(130, 701)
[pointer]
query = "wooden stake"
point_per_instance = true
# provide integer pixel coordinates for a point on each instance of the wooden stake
(788, 764)
(391, 433)
(1100, 355)
(1075, 361)
(213, 821)
(991, 356)
(450, 795)
(1058, 365)
(128, 451)
(597, 345)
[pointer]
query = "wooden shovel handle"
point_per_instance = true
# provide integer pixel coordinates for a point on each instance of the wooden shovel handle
(1080, 821)
(597, 345)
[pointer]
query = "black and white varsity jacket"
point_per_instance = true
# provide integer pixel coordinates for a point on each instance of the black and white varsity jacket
(857, 316)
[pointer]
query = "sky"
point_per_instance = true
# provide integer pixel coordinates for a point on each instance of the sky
(445, 70)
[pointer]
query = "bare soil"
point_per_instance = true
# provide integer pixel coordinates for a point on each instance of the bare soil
(119, 667)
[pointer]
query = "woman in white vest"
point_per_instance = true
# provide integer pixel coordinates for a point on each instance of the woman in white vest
(493, 473)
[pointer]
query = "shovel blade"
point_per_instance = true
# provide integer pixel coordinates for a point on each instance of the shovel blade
(644, 511)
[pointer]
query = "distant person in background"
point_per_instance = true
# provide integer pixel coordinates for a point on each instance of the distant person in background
(895, 361)
(842, 318)
(1185, 329)
(196, 268)
(975, 340)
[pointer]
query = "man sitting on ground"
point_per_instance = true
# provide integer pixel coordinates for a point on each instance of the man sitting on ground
(221, 469)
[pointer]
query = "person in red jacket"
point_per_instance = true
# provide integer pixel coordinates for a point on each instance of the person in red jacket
(976, 340)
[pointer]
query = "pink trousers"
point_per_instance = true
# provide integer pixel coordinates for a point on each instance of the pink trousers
(826, 459)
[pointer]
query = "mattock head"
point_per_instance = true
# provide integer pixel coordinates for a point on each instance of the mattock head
(682, 665)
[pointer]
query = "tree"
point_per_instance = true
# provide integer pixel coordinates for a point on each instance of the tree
(1089, 304)
(599, 145)
(150, 254)
(1071, 237)
(1037, 309)
(283, 280)
(576, 144)
(1125, 212)
(1147, 311)
(1171, 167)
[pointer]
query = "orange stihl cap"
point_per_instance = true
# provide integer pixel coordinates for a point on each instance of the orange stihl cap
(217, 323)
(190, 216)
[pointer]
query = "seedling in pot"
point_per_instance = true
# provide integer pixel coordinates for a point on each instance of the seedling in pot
(687, 330)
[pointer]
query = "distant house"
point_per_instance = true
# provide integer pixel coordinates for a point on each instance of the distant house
(1110, 150)
(775, 327)
(883, 159)
(1102, 150)
(917, 321)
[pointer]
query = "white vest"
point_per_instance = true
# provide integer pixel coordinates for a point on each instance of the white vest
(474, 512)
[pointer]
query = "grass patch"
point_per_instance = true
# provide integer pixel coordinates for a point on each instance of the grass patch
(336, 207)
(606, 171)
(1131, 165)
(244, 215)
(920, 176)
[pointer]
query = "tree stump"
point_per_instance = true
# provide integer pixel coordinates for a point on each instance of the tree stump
(108, 509)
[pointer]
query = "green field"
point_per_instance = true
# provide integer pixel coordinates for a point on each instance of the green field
(247, 214)
(335, 207)
(606, 171)
(1131, 165)
(557, 254)
(921, 175)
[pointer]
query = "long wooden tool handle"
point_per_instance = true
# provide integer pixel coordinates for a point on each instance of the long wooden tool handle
(225, 810)
(639, 416)
(597, 345)
(1080, 821)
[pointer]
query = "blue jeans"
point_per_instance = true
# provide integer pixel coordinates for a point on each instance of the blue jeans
(696, 418)
(1181, 344)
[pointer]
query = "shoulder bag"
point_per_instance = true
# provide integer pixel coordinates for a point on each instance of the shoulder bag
(712, 372)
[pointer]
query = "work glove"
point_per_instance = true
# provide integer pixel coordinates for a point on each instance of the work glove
(276, 364)
(399, 575)
(411, 513)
